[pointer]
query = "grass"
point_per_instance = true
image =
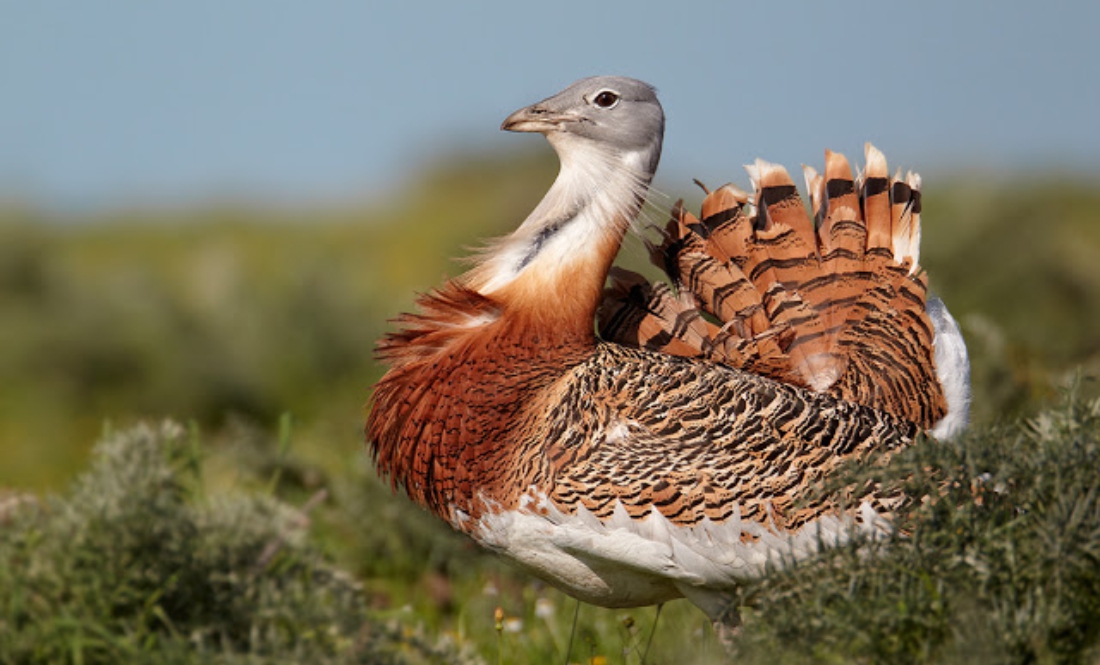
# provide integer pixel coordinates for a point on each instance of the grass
(998, 561)
(256, 328)
(138, 563)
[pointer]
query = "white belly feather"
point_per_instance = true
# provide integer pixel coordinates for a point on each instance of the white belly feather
(625, 562)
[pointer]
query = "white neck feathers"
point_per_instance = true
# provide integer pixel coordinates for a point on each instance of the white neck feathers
(596, 196)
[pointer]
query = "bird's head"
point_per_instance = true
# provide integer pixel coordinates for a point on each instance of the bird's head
(610, 113)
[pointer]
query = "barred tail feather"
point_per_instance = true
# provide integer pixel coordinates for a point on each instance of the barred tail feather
(832, 298)
(647, 315)
(784, 252)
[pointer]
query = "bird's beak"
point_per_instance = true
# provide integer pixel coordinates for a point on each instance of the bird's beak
(534, 118)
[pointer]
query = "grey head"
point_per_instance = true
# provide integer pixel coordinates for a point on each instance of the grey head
(613, 113)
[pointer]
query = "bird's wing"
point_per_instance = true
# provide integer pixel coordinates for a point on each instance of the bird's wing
(697, 440)
(697, 472)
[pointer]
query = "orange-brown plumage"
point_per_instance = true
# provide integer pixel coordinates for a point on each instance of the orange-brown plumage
(463, 373)
(669, 455)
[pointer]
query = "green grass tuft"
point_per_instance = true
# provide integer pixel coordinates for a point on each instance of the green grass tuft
(998, 562)
(136, 563)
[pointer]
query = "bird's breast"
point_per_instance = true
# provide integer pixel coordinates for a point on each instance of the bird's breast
(459, 428)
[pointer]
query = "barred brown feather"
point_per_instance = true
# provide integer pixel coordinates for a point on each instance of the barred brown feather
(837, 305)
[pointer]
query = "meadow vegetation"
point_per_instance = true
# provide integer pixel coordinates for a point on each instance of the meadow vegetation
(255, 530)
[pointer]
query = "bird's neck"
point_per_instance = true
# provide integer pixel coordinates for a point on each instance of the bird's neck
(551, 271)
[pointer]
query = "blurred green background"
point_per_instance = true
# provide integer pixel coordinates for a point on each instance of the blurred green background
(222, 315)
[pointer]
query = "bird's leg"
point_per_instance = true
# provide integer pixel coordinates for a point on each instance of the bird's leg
(727, 627)
(572, 631)
(652, 632)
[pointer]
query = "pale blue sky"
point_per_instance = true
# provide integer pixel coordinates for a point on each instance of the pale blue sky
(113, 102)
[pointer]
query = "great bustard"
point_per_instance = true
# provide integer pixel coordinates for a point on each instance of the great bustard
(663, 458)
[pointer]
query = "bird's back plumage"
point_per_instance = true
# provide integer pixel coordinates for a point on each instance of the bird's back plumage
(673, 455)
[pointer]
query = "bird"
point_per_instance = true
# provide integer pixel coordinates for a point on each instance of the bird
(634, 441)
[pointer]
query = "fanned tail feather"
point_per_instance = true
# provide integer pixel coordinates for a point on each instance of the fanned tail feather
(696, 256)
(783, 253)
(832, 299)
(649, 316)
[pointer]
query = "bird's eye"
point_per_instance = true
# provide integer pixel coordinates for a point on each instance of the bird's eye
(606, 99)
